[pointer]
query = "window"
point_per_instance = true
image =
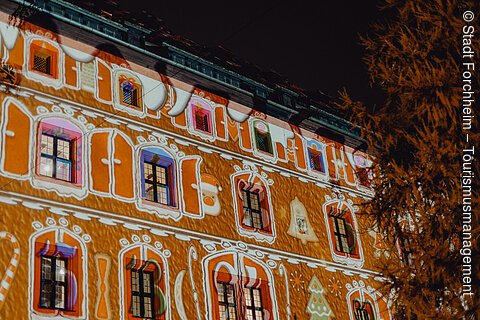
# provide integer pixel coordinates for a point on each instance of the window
(253, 300)
(364, 177)
(202, 120)
(262, 137)
(343, 237)
(363, 170)
(201, 115)
(144, 283)
(57, 274)
(363, 310)
(316, 160)
(43, 58)
(158, 177)
(226, 301)
(264, 142)
(156, 183)
(239, 287)
(142, 294)
(251, 209)
(42, 62)
(340, 232)
(129, 90)
(130, 93)
(56, 157)
(252, 204)
(53, 280)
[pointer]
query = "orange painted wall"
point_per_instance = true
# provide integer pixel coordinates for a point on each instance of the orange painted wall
(107, 209)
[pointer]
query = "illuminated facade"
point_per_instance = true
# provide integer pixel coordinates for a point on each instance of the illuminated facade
(136, 185)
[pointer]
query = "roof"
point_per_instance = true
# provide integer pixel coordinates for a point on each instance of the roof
(215, 69)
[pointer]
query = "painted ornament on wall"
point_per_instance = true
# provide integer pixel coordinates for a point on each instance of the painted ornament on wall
(335, 287)
(102, 304)
(300, 226)
(12, 267)
(178, 293)
(210, 190)
(296, 279)
(317, 306)
(379, 245)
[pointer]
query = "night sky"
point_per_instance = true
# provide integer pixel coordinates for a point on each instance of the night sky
(314, 44)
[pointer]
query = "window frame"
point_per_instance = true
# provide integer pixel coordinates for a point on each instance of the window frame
(135, 94)
(53, 282)
(316, 154)
(207, 119)
(268, 146)
(248, 210)
(156, 184)
(338, 235)
(141, 293)
(37, 50)
(54, 157)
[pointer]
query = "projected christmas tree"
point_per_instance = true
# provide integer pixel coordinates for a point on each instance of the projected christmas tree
(318, 307)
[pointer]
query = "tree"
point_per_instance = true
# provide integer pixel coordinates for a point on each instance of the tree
(415, 134)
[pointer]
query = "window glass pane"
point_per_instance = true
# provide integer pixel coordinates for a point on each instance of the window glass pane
(136, 306)
(147, 306)
(230, 294)
(257, 220)
(201, 120)
(161, 175)
(232, 313)
(60, 270)
(46, 268)
(248, 297)
(249, 314)
(127, 96)
(245, 198)
(147, 171)
(149, 191)
(64, 170)
(46, 145)
(341, 227)
(254, 201)
(223, 312)
(263, 142)
(247, 219)
(345, 245)
(135, 282)
(46, 167)
(41, 62)
(60, 297)
(63, 149)
(256, 298)
(258, 314)
(162, 195)
(146, 283)
(135, 101)
(220, 292)
(316, 160)
(46, 295)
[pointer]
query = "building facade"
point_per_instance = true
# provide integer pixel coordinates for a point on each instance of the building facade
(137, 185)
